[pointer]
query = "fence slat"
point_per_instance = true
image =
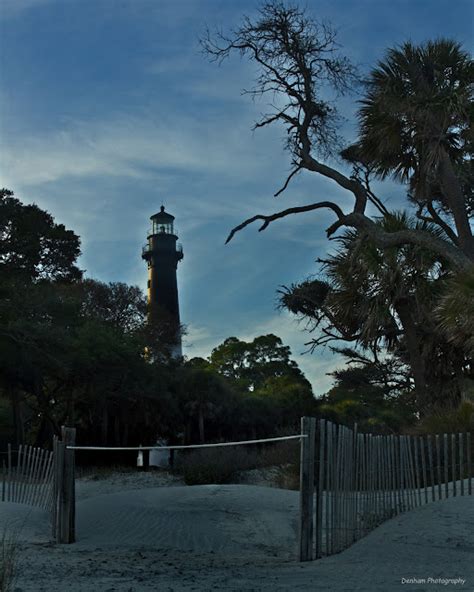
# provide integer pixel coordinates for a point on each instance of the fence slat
(25, 474)
(9, 477)
(348, 473)
(423, 467)
(329, 501)
(394, 475)
(320, 488)
(337, 489)
(349, 485)
(387, 503)
(49, 481)
(54, 503)
(412, 471)
(453, 463)
(34, 475)
(446, 465)
(438, 465)
(402, 472)
(355, 482)
(430, 460)
(417, 469)
(15, 469)
(29, 483)
(4, 479)
(43, 465)
(469, 466)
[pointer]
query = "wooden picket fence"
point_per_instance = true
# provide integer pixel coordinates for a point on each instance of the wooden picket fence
(27, 476)
(351, 482)
(44, 479)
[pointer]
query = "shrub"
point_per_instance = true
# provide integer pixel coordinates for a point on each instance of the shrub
(213, 465)
(223, 465)
(449, 420)
(282, 453)
(8, 561)
(289, 477)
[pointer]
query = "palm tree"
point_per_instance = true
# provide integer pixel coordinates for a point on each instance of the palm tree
(416, 124)
(384, 300)
(455, 311)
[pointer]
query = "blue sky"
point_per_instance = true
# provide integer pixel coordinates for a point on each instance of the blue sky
(108, 109)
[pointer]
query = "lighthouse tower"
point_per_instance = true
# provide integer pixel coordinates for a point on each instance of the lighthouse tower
(162, 254)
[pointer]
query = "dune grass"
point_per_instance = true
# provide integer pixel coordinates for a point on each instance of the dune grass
(8, 560)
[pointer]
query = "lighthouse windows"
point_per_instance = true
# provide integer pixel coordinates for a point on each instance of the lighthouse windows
(160, 228)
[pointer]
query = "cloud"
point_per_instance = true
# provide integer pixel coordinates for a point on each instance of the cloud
(130, 147)
(13, 8)
(198, 341)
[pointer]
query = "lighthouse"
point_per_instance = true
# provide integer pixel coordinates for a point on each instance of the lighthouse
(162, 254)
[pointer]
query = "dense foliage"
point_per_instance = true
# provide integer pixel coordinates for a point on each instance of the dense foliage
(80, 352)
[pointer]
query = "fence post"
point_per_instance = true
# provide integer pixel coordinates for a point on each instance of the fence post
(58, 460)
(65, 500)
(308, 429)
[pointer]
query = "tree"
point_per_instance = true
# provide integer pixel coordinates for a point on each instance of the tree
(206, 396)
(35, 252)
(416, 125)
(361, 394)
(298, 60)
(117, 304)
(384, 301)
(250, 364)
(33, 246)
(273, 392)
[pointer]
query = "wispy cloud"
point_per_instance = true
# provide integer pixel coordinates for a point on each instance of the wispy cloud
(130, 147)
(13, 8)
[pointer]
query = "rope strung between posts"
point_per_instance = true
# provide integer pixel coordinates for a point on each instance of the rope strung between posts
(218, 444)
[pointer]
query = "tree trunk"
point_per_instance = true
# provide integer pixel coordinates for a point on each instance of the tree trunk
(125, 435)
(105, 424)
(417, 363)
(453, 193)
(70, 411)
(187, 433)
(18, 425)
(45, 432)
(117, 430)
(201, 424)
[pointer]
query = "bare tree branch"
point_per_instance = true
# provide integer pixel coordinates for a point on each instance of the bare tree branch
(290, 176)
(436, 218)
(296, 210)
(364, 224)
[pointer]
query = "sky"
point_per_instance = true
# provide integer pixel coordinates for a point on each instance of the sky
(108, 109)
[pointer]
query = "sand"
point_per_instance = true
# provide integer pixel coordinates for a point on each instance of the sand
(174, 538)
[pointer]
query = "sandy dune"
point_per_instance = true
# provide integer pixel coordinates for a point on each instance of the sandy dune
(223, 519)
(233, 538)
